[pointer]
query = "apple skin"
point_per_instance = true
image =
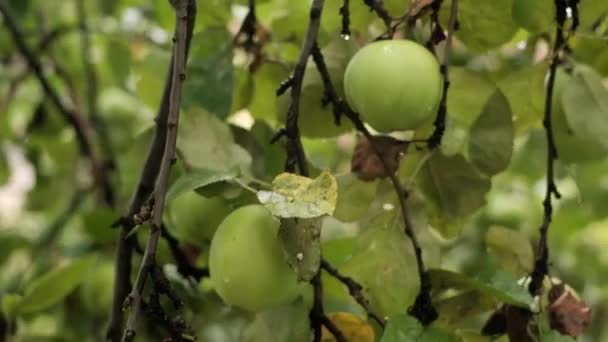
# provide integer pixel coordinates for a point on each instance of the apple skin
(570, 148)
(394, 84)
(246, 262)
(195, 218)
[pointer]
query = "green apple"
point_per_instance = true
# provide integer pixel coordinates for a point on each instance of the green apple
(194, 218)
(246, 262)
(570, 148)
(394, 84)
(96, 290)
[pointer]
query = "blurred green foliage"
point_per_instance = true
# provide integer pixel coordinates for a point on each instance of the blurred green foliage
(475, 203)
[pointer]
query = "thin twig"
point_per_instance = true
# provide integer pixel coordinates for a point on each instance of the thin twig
(422, 309)
(345, 13)
(133, 301)
(541, 266)
(435, 138)
(355, 289)
(91, 90)
(71, 116)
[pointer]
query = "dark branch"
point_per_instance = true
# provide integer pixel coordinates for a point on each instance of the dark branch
(345, 13)
(435, 138)
(355, 289)
(541, 266)
(184, 10)
(378, 7)
(141, 195)
(423, 309)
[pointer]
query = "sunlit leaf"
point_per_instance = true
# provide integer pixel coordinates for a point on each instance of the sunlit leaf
(297, 196)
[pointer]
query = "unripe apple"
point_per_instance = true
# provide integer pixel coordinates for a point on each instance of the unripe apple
(246, 262)
(394, 84)
(195, 218)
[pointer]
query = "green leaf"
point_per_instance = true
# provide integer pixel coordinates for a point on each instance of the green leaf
(469, 92)
(207, 143)
(118, 57)
(97, 224)
(51, 288)
(10, 242)
(354, 197)
(590, 11)
(301, 242)
(150, 76)
(384, 264)
(287, 323)
(512, 248)
(405, 328)
(402, 328)
(491, 141)
(534, 16)
(297, 196)
(10, 303)
(242, 89)
(585, 104)
(266, 80)
(197, 178)
(498, 284)
(485, 24)
(454, 311)
(210, 73)
(454, 188)
(525, 89)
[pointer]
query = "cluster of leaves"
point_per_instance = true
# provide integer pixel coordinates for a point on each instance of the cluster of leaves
(475, 201)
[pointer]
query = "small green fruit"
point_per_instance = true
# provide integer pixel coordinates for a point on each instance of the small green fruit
(394, 85)
(246, 262)
(195, 218)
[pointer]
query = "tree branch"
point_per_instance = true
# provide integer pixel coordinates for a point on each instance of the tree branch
(355, 289)
(133, 301)
(141, 194)
(541, 266)
(435, 139)
(92, 91)
(70, 115)
(422, 309)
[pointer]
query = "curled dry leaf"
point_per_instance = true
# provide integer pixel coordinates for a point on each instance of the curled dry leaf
(366, 164)
(568, 314)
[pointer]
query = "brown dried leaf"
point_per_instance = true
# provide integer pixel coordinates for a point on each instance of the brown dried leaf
(568, 314)
(368, 166)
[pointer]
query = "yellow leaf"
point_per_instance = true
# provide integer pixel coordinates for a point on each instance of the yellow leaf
(352, 327)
